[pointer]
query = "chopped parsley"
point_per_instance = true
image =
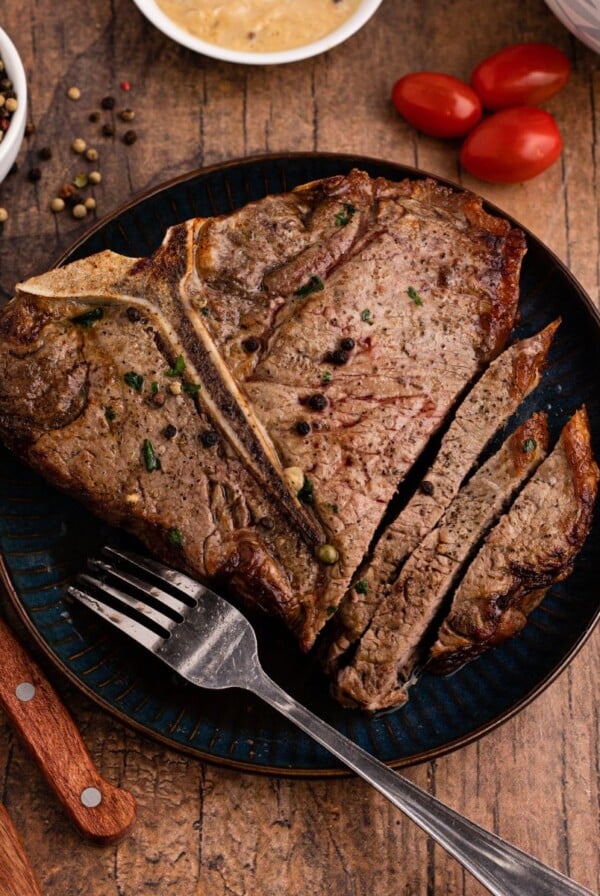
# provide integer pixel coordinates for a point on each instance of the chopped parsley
(327, 377)
(134, 380)
(154, 387)
(333, 507)
(366, 316)
(306, 493)
(315, 284)
(205, 310)
(151, 461)
(88, 317)
(342, 219)
(330, 610)
(175, 536)
(414, 295)
(529, 445)
(362, 587)
(191, 388)
(110, 414)
(178, 369)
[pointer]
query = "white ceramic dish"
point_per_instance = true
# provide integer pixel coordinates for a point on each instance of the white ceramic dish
(581, 17)
(154, 14)
(14, 135)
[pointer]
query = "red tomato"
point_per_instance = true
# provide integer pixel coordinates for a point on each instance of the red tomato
(512, 145)
(438, 105)
(524, 74)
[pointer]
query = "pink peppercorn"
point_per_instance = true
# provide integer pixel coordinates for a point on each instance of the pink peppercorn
(125, 85)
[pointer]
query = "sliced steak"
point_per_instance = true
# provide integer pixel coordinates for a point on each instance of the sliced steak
(485, 409)
(388, 652)
(253, 308)
(531, 547)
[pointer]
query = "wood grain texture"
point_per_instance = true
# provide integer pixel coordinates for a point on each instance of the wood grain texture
(16, 874)
(203, 829)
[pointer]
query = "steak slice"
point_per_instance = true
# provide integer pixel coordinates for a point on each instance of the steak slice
(252, 308)
(485, 409)
(419, 279)
(532, 546)
(392, 646)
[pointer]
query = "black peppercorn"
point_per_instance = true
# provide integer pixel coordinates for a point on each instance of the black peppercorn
(339, 357)
(94, 117)
(133, 314)
(267, 523)
(427, 487)
(170, 431)
(209, 438)
(251, 344)
(347, 344)
(129, 138)
(45, 153)
(302, 428)
(317, 402)
(34, 174)
(108, 102)
(108, 130)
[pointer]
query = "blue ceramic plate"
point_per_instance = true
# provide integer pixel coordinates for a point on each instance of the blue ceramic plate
(45, 537)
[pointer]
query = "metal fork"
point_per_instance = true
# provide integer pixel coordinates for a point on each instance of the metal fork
(212, 645)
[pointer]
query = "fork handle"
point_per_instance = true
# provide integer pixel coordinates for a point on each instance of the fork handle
(101, 812)
(502, 868)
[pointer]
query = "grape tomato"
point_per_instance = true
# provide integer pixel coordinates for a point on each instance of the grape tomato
(436, 104)
(522, 74)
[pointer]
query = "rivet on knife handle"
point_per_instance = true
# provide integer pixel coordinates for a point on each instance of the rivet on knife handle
(100, 811)
(16, 874)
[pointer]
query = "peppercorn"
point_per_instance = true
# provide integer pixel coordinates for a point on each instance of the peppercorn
(66, 190)
(94, 177)
(327, 554)
(11, 104)
(170, 431)
(108, 130)
(79, 210)
(29, 129)
(78, 145)
(347, 344)
(318, 402)
(302, 428)
(90, 203)
(265, 522)
(74, 93)
(94, 117)
(339, 357)
(57, 205)
(133, 314)
(80, 181)
(427, 487)
(251, 344)
(129, 138)
(91, 155)
(3, 215)
(73, 200)
(108, 102)
(126, 114)
(34, 174)
(45, 153)
(125, 85)
(209, 438)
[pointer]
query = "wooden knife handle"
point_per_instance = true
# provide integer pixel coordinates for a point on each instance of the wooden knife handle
(16, 874)
(100, 811)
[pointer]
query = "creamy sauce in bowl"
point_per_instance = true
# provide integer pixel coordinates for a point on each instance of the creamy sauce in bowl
(260, 26)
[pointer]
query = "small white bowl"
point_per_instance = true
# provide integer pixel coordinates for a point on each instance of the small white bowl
(13, 137)
(152, 11)
(581, 17)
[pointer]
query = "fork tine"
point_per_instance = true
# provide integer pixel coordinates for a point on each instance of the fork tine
(128, 602)
(176, 579)
(145, 588)
(123, 623)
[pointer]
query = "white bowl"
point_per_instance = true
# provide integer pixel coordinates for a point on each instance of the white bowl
(158, 18)
(581, 17)
(13, 138)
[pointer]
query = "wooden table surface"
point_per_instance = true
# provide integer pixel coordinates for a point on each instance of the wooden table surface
(209, 830)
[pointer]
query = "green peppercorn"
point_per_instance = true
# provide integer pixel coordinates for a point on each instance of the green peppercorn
(326, 553)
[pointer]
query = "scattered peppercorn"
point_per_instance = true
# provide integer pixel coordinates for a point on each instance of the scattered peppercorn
(11, 104)
(92, 154)
(66, 191)
(126, 114)
(74, 93)
(302, 427)
(79, 210)
(33, 175)
(327, 554)
(94, 117)
(78, 145)
(347, 344)
(94, 177)
(134, 316)
(90, 203)
(339, 356)
(108, 130)
(3, 215)
(45, 153)
(73, 200)
(129, 138)
(125, 85)
(209, 438)
(29, 129)
(108, 102)
(80, 181)
(251, 344)
(170, 431)
(265, 522)
(318, 401)
(427, 487)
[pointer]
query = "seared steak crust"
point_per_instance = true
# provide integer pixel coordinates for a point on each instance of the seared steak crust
(532, 547)
(383, 666)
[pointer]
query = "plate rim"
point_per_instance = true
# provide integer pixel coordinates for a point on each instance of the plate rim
(405, 171)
